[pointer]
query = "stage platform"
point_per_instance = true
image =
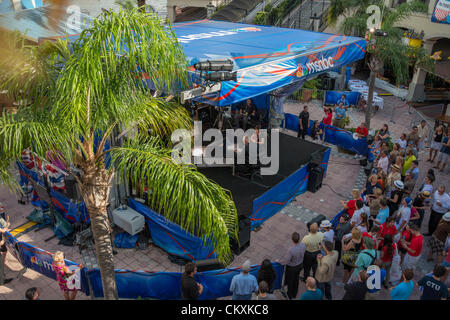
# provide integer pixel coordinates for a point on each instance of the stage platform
(294, 154)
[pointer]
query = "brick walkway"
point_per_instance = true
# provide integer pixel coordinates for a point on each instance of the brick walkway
(271, 241)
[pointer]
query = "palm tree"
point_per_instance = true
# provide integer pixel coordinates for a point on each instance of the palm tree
(385, 51)
(94, 91)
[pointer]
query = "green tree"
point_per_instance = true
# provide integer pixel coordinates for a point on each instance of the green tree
(386, 51)
(95, 89)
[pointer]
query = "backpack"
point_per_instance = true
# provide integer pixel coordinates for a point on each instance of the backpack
(371, 262)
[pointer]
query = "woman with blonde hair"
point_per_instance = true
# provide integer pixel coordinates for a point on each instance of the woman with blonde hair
(351, 245)
(350, 205)
(399, 161)
(392, 177)
(62, 274)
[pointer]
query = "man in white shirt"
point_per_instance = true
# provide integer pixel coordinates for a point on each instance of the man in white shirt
(441, 205)
(403, 215)
(422, 132)
(356, 218)
(383, 162)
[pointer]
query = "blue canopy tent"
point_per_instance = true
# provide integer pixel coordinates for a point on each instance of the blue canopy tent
(265, 58)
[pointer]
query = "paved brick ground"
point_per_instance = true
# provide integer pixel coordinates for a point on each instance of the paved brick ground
(271, 241)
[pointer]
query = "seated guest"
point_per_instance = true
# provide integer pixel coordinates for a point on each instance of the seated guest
(245, 112)
(362, 131)
(371, 184)
(384, 133)
(316, 131)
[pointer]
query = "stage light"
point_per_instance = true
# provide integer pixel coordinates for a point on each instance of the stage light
(221, 76)
(214, 65)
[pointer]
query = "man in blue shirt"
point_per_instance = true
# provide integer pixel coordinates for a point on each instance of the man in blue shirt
(414, 169)
(244, 284)
(339, 115)
(404, 289)
(343, 100)
(312, 292)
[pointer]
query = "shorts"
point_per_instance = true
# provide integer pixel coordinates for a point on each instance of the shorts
(436, 246)
(436, 145)
(442, 157)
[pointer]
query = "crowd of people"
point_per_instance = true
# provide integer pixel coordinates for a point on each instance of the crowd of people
(380, 226)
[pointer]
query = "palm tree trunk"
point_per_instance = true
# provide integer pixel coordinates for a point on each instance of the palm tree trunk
(342, 78)
(95, 191)
(370, 97)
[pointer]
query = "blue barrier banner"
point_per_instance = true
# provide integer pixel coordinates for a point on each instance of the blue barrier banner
(326, 158)
(167, 285)
(333, 135)
(39, 260)
(171, 237)
(332, 97)
(279, 196)
(345, 140)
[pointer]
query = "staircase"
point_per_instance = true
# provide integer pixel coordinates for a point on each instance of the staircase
(299, 17)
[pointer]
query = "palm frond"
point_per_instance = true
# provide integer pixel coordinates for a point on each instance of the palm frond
(180, 192)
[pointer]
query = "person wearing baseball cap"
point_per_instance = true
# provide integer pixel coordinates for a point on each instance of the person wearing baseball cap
(419, 205)
(438, 239)
(395, 199)
(327, 229)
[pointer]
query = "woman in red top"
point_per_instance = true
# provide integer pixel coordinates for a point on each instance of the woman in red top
(387, 228)
(328, 116)
(407, 237)
(387, 251)
(350, 205)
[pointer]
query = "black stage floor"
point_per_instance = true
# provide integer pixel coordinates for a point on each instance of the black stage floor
(294, 153)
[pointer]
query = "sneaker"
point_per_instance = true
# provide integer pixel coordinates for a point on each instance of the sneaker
(6, 281)
(356, 156)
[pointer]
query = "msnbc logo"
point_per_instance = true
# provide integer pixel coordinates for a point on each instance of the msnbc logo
(316, 66)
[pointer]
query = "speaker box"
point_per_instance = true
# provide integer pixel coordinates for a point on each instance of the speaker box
(315, 178)
(243, 234)
(209, 264)
(317, 219)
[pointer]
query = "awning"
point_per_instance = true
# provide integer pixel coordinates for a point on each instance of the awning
(266, 58)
